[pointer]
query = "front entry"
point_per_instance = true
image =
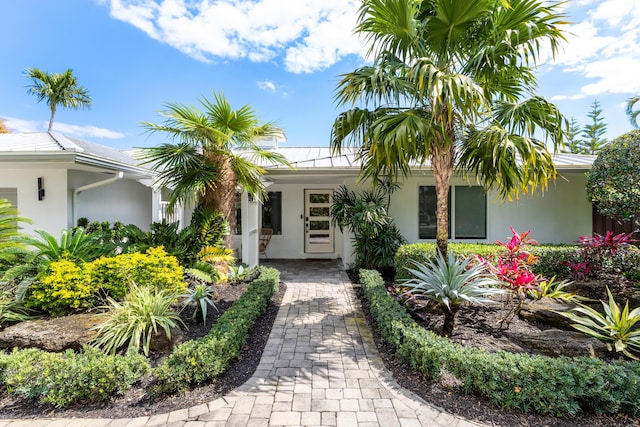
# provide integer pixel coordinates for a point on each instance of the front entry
(318, 232)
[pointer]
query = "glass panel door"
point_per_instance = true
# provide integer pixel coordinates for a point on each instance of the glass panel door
(318, 231)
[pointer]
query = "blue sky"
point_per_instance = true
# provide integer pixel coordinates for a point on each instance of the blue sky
(283, 57)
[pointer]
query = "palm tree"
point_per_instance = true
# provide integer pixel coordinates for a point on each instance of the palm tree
(57, 89)
(633, 115)
(452, 84)
(213, 151)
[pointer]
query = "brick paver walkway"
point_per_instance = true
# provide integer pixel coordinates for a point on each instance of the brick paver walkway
(320, 368)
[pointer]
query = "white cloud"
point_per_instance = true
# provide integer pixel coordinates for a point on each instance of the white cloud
(603, 48)
(87, 131)
(17, 125)
(267, 86)
(308, 34)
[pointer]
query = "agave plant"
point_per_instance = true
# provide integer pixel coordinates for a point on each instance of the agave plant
(201, 294)
(451, 283)
(616, 327)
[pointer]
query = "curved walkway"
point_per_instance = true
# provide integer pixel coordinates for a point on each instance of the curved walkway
(320, 368)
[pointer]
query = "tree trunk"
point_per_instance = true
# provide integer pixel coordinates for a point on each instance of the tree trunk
(53, 113)
(449, 320)
(222, 197)
(442, 163)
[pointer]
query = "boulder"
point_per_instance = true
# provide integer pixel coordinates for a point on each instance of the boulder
(547, 311)
(555, 342)
(160, 342)
(55, 334)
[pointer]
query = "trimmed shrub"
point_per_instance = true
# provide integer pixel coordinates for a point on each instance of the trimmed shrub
(63, 288)
(556, 386)
(200, 360)
(154, 268)
(426, 252)
(65, 378)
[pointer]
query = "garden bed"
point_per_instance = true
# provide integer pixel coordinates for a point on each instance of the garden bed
(454, 396)
(135, 402)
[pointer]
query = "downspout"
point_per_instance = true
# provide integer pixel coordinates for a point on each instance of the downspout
(76, 191)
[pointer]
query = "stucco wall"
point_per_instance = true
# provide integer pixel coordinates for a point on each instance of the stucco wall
(559, 215)
(290, 244)
(49, 214)
(123, 200)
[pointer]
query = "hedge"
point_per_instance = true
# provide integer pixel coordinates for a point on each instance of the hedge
(552, 260)
(201, 360)
(65, 378)
(557, 386)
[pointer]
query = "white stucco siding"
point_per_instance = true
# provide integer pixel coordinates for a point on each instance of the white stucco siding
(123, 200)
(290, 244)
(50, 213)
(560, 215)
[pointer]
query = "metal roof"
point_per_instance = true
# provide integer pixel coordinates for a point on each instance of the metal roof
(53, 145)
(322, 158)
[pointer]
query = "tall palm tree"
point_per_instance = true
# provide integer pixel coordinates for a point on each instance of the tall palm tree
(214, 150)
(452, 84)
(633, 114)
(57, 89)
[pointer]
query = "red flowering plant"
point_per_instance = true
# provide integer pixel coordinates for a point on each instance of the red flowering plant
(598, 250)
(513, 270)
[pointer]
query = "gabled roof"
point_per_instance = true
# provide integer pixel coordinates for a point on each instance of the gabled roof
(53, 146)
(321, 158)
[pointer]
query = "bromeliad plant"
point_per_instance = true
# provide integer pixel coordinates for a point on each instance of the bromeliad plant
(616, 327)
(451, 283)
(513, 270)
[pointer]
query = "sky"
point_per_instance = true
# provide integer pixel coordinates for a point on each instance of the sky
(282, 57)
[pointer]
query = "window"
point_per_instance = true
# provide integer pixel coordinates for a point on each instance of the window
(10, 194)
(271, 213)
(470, 208)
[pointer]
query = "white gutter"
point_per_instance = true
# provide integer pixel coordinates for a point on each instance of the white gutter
(76, 191)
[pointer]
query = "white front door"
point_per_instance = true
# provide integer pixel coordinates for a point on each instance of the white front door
(318, 232)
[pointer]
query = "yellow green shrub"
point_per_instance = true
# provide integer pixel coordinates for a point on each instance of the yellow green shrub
(155, 268)
(63, 287)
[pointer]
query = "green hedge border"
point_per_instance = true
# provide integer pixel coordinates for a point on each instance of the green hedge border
(201, 360)
(65, 378)
(557, 386)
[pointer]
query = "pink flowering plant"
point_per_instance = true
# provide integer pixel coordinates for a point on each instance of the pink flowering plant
(513, 269)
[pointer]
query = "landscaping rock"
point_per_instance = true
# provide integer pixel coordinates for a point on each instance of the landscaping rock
(160, 342)
(547, 311)
(555, 342)
(56, 334)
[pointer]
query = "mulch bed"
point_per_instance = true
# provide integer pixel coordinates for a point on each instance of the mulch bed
(442, 393)
(135, 403)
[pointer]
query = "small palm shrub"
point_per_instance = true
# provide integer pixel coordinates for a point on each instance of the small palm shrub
(375, 235)
(451, 283)
(616, 327)
(133, 322)
(201, 296)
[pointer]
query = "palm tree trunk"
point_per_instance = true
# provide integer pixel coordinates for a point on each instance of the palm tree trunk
(53, 113)
(442, 163)
(222, 197)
